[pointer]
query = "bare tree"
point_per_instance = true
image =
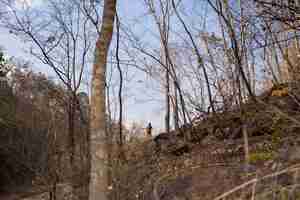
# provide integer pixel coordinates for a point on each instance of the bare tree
(60, 37)
(199, 57)
(99, 169)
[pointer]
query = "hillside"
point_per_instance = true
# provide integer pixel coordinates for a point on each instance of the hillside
(167, 167)
(213, 163)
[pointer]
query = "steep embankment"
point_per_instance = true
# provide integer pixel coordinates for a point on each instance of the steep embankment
(213, 163)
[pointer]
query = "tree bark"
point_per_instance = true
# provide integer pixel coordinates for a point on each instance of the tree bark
(98, 142)
(176, 109)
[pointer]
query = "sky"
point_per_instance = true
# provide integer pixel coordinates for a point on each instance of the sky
(142, 104)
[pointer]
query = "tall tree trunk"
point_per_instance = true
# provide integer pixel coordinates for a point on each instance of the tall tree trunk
(98, 144)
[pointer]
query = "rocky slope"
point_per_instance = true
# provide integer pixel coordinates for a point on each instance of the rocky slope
(213, 162)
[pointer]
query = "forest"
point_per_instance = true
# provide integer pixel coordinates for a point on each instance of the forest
(149, 99)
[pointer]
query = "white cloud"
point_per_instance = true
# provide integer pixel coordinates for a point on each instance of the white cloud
(23, 4)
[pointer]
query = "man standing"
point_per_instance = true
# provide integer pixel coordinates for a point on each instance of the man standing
(149, 130)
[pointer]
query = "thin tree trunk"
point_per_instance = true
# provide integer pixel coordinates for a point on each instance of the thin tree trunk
(175, 111)
(167, 116)
(99, 169)
(120, 86)
(71, 147)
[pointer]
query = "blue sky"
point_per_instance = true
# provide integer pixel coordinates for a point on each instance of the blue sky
(143, 97)
(141, 103)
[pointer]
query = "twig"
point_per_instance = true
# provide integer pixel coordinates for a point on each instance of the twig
(293, 168)
(254, 189)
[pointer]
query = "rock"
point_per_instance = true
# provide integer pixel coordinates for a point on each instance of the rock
(180, 198)
(294, 154)
(283, 154)
(168, 143)
(44, 196)
(249, 168)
